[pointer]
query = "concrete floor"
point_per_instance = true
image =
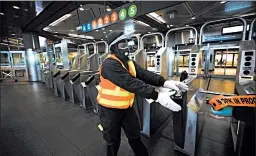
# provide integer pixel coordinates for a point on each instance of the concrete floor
(36, 123)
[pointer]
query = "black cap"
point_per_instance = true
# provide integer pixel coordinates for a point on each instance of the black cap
(113, 36)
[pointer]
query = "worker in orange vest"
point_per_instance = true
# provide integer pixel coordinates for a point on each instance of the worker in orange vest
(120, 80)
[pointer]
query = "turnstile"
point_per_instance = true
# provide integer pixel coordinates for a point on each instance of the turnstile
(80, 94)
(102, 50)
(48, 79)
(57, 83)
(66, 86)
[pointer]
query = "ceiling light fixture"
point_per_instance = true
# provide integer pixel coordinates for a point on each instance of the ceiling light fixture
(222, 2)
(3, 43)
(60, 20)
(46, 28)
(56, 32)
(16, 7)
(1, 13)
(89, 37)
(81, 9)
(193, 17)
(108, 9)
(142, 23)
(97, 30)
(13, 34)
(156, 17)
(80, 36)
(245, 15)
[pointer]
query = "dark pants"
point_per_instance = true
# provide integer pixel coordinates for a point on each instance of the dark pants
(112, 120)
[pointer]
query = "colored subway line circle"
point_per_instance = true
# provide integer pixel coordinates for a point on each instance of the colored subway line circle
(122, 14)
(132, 11)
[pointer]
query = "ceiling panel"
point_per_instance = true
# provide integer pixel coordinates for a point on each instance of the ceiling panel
(199, 6)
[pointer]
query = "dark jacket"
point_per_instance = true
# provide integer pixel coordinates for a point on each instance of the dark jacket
(141, 85)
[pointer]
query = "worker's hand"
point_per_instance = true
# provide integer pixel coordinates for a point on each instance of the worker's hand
(165, 100)
(176, 85)
(162, 89)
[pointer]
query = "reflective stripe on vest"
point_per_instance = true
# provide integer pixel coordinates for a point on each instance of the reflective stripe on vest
(111, 95)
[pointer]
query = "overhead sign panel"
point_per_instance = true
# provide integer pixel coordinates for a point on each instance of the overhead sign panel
(117, 15)
(123, 13)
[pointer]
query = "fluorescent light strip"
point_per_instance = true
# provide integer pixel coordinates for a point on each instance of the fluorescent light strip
(81, 36)
(156, 17)
(15, 7)
(142, 23)
(60, 20)
(3, 43)
(46, 28)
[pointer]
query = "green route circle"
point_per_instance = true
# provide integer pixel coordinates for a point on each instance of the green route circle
(122, 14)
(132, 11)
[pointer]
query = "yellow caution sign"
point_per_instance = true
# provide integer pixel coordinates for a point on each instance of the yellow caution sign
(219, 102)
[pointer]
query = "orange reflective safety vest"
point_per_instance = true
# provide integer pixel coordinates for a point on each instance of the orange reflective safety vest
(111, 95)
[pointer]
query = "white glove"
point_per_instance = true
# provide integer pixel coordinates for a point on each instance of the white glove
(176, 85)
(165, 100)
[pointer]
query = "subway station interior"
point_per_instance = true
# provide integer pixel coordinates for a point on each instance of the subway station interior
(51, 54)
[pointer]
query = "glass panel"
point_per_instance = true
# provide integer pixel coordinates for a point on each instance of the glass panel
(81, 50)
(175, 63)
(58, 56)
(4, 59)
(151, 62)
(90, 49)
(101, 48)
(183, 61)
(217, 67)
(18, 59)
(20, 73)
(232, 59)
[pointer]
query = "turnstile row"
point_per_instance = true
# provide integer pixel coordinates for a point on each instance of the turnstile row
(80, 87)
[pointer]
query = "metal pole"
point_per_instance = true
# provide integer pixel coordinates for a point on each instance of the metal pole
(251, 29)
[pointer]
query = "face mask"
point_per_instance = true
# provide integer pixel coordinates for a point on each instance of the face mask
(123, 48)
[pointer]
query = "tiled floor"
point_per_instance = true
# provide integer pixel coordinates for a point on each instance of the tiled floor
(36, 123)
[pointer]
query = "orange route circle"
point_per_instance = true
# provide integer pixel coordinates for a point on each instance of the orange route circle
(106, 19)
(94, 24)
(100, 22)
(114, 17)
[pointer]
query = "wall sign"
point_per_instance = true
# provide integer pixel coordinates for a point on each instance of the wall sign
(114, 17)
(122, 14)
(132, 11)
(125, 12)
(117, 15)
(100, 22)
(106, 20)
